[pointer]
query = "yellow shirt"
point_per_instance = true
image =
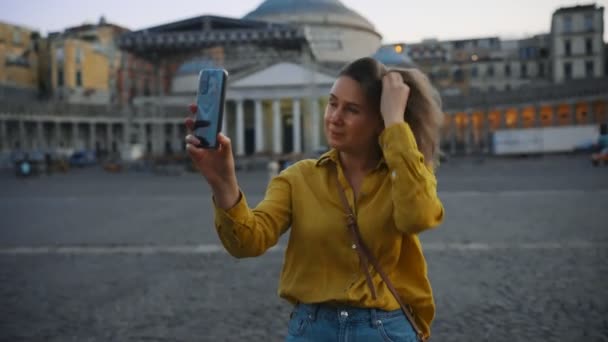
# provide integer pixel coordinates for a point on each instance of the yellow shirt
(397, 200)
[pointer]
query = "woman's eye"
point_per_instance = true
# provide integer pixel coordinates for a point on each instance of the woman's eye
(353, 110)
(332, 104)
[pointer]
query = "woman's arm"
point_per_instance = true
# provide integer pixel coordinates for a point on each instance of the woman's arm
(244, 232)
(416, 206)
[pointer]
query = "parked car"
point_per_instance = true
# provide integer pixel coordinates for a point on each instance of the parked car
(600, 158)
(82, 158)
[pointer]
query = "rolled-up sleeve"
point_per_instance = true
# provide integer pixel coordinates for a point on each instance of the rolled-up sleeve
(247, 232)
(416, 206)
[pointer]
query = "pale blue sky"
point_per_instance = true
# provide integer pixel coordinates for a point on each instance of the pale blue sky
(396, 20)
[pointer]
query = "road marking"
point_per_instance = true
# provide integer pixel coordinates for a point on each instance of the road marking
(443, 194)
(12, 198)
(219, 249)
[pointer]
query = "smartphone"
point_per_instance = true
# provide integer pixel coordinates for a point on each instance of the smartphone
(210, 98)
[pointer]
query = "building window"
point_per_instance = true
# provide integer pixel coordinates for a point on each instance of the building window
(589, 68)
(78, 55)
(567, 48)
(59, 54)
(588, 25)
(508, 70)
(474, 72)
(147, 91)
(589, 46)
(541, 69)
(458, 75)
(568, 70)
(523, 70)
(567, 24)
(79, 78)
(16, 37)
(490, 71)
(60, 77)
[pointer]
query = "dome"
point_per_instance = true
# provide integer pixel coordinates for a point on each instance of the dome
(389, 57)
(194, 66)
(302, 11)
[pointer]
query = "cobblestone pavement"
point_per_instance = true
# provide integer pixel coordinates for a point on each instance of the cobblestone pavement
(90, 256)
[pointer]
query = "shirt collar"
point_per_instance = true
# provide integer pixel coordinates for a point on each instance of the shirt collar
(332, 156)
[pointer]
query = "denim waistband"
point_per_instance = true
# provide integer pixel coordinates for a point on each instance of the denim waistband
(346, 313)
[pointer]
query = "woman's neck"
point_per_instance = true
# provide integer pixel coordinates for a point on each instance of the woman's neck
(357, 163)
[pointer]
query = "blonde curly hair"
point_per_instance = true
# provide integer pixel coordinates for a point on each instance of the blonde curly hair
(423, 111)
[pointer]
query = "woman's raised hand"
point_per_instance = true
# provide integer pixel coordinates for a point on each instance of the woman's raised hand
(217, 166)
(393, 102)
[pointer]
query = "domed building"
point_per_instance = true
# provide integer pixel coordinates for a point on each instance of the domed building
(282, 57)
(335, 32)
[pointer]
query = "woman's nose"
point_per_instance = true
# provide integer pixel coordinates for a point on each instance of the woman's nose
(335, 116)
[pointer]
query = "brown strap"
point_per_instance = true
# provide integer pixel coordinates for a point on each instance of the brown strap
(365, 256)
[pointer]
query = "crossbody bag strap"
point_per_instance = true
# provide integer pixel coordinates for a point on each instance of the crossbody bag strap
(366, 257)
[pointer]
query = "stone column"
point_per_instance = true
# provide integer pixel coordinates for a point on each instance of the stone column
(21, 134)
(518, 118)
(176, 141)
(276, 127)
(75, 141)
(316, 124)
(3, 136)
(159, 137)
(297, 126)
(143, 135)
(536, 121)
(486, 133)
(226, 121)
(92, 135)
(127, 111)
(240, 128)
(126, 135)
(503, 118)
(590, 113)
(553, 119)
(40, 141)
(259, 127)
(57, 134)
(468, 132)
(109, 136)
(572, 116)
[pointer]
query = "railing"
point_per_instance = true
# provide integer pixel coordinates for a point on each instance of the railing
(57, 109)
(570, 90)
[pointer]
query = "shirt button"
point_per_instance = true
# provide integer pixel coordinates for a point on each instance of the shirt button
(344, 314)
(394, 175)
(354, 246)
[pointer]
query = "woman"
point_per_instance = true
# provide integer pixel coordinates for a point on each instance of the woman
(383, 128)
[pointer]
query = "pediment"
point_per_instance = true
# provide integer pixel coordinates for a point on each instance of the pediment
(283, 74)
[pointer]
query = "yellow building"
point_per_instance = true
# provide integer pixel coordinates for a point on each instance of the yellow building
(18, 62)
(84, 61)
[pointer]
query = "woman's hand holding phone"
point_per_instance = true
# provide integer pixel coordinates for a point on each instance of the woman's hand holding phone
(216, 165)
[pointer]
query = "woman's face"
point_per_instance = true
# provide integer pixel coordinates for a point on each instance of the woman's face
(351, 125)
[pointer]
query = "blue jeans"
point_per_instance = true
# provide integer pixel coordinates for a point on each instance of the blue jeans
(320, 323)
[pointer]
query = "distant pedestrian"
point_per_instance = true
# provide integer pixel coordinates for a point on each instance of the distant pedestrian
(354, 267)
(48, 163)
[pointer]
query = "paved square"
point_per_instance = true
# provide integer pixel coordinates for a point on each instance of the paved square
(91, 256)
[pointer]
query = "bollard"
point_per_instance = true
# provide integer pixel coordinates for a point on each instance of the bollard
(273, 169)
